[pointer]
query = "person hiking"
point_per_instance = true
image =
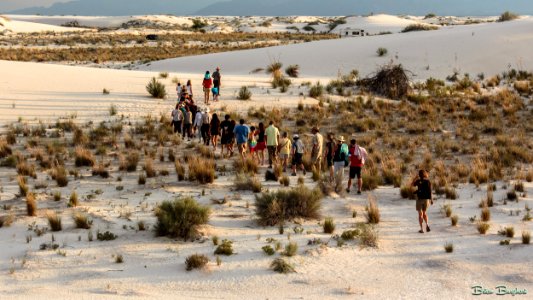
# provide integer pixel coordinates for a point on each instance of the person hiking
(298, 150)
(241, 132)
(206, 84)
(188, 88)
(329, 151)
(261, 143)
(215, 131)
(339, 158)
(424, 198)
(272, 142)
(214, 91)
(357, 156)
(217, 80)
(197, 126)
(232, 139)
(316, 152)
(177, 119)
(187, 122)
(252, 142)
(179, 90)
(225, 134)
(205, 128)
(284, 150)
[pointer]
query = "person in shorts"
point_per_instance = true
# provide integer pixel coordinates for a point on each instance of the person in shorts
(357, 156)
(424, 198)
(298, 150)
(241, 132)
(284, 150)
(272, 143)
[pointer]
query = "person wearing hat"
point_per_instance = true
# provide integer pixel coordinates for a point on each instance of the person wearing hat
(340, 155)
(316, 152)
(216, 81)
(298, 150)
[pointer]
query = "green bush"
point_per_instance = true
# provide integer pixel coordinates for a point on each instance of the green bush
(180, 218)
(382, 51)
(508, 16)
(156, 89)
(244, 93)
(316, 90)
(226, 248)
(281, 266)
(275, 207)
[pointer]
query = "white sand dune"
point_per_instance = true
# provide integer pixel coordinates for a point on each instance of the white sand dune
(488, 48)
(16, 26)
(377, 23)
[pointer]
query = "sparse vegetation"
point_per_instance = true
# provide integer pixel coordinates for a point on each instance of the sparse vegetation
(196, 261)
(526, 237)
(31, 205)
(156, 89)
(382, 51)
(508, 16)
(448, 247)
(225, 248)
(82, 221)
(244, 93)
(483, 227)
(329, 225)
(54, 220)
(280, 265)
(373, 216)
(291, 249)
(180, 218)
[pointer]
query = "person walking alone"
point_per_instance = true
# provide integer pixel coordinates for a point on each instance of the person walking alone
(424, 198)
(272, 142)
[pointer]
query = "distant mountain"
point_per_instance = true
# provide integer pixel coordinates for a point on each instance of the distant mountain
(119, 7)
(282, 7)
(361, 7)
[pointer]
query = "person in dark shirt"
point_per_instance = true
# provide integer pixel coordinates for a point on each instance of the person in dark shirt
(226, 134)
(424, 198)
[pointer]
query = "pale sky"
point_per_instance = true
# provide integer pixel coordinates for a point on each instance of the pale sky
(6, 5)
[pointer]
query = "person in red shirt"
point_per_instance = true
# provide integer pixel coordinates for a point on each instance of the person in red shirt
(207, 84)
(357, 156)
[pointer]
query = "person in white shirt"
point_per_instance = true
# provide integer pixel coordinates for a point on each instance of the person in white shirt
(198, 124)
(177, 119)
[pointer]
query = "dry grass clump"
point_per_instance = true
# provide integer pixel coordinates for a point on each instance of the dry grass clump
(5, 149)
(485, 214)
(454, 219)
(100, 170)
(369, 236)
(130, 162)
(480, 172)
(83, 157)
(73, 200)
(244, 93)
(225, 248)
(419, 27)
(248, 166)
(285, 180)
(54, 220)
(316, 91)
(196, 261)
(277, 207)
(82, 221)
(31, 205)
(329, 225)
(247, 183)
(149, 168)
(390, 81)
(408, 192)
(180, 170)
(23, 187)
(291, 249)
(59, 174)
(483, 227)
(180, 218)
(448, 247)
(280, 265)
(526, 237)
(26, 169)
(201, 170)
(372, 214)
(508, 16)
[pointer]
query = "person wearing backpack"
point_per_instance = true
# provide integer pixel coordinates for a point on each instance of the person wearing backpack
(340, 156)
(357, 156)
(424, 198)
(298, 150)
(217, 80)
(207, 83)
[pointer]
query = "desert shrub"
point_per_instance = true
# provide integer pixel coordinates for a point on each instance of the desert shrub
(329, 225)
(180, 218)
(119, 258)
(106, 236)
(349, 235)
(419, 27)
(372, 215)
(293, 71)
(247, 183)
(512, 195)
(244, 93)
(268, 250)
(83, 157)
(291, 249)
(142, 179)
(519, 187)
(285, 180)
(141, 225)
(54, 220)
(508, 16)
(382, 51)
(281, 82)
(485, 214)
(73, 200)
(82, 221)
(23, 187)
(505, 242)
(226, 248)
(370, 181)
(316, 90)
(57, 196)
(509, 231)
(5, 149)
(112, 108)
(282, 266)
(180, 170)
(100, 170)
(156, 89)
(163, 75)
(483, 227)
(59, 174)
(201, 170)
(526, 237)
(390, 81)
(196, 261)
(274, 69)
(408, 192)
(31, 205)
(149, 168)
(276, 207)
(6, 221)
(369, 236)
(447, 209)
(448, 247)
(26, 169)
(248, 166)
(450, 193)
(454, 220)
